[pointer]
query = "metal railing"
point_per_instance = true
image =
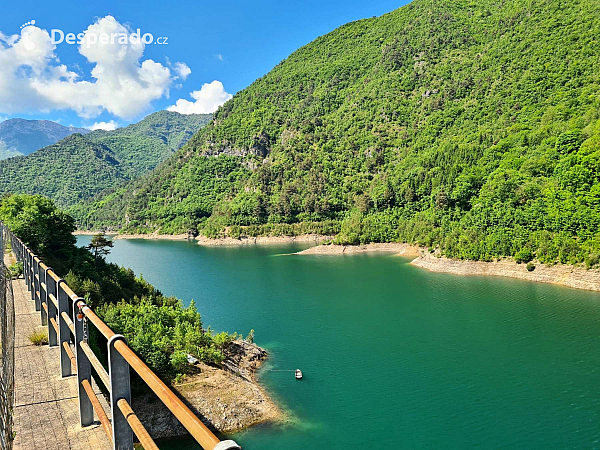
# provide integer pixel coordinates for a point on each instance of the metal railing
(68, 319)
(7, 352)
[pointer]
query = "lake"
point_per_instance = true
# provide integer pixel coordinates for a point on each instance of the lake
(394, 356)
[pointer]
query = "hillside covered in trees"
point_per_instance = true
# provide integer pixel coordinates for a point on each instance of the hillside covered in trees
(79, 167)
(474, 127)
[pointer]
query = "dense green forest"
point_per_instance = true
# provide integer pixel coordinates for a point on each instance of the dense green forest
(79, 167)
(469, 126)
(158, 328)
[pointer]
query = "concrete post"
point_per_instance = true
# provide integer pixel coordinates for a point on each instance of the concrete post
(64, 333)
(35, 282)
(118, 371)
(84, 368)
(25, 260)
(44, 296)
(52, 311)
(29, 273)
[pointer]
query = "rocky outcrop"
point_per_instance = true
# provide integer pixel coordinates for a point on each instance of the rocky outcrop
(225, 398)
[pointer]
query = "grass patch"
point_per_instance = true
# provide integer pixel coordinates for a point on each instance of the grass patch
(38, 338)
(16, 270)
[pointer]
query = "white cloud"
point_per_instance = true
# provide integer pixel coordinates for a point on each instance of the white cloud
(182, 70)
(122, 83)
(108, 126)
(207, 100)
(220, 57)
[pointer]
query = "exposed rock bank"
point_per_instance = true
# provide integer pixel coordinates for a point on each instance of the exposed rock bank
(173, 237)
(226, 399)
(332, 249)
(562, 274)
(260, 240)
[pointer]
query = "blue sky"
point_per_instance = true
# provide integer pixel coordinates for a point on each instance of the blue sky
(232, 42)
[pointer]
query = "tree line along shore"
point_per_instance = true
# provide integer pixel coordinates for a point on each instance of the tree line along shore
(567, 275)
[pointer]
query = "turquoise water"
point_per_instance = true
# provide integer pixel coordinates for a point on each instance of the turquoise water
(395, 356)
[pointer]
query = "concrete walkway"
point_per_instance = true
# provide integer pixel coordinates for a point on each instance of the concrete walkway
(46, 413)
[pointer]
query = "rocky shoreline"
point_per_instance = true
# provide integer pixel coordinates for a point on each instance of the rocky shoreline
(216, 242)
(333, 249)
(561, 274)
(262, 240)
(226, 398)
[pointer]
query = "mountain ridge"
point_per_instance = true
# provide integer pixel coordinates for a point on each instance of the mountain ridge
(82, 166)
(472, 128)
(23, 136)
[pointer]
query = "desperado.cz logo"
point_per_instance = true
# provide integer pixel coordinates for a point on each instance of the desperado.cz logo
(88, 38)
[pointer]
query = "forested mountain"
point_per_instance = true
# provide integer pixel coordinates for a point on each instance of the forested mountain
(71, 170)
(21, 136)
(140, 147)
(79, 167)
(472, 126)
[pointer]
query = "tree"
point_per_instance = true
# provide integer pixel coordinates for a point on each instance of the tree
(47, 230)
(100, 246)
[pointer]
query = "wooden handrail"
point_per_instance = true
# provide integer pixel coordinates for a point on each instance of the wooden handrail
(137, 427)
(68, 321)
(100, 370)
(102, 417)
(188, 419)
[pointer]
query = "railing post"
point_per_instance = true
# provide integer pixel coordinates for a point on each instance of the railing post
(84, 368)
(64, 332)
(30, 271)
(24, 255)
(118, 371)
(31, 274)
(26, 274)
(35, 282)
(44, 297)
(51, 290)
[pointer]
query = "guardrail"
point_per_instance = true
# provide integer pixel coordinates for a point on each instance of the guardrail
(68, 319)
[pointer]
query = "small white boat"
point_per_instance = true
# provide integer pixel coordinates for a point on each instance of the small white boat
(298, 374)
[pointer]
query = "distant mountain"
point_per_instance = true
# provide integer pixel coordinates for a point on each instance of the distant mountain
(79, 167)
(22, 137)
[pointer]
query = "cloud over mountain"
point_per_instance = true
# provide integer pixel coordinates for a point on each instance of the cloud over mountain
(121, 81)
(206, 100)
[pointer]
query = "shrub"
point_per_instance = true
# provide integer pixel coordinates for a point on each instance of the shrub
(16, 270)
(530, 267)
(524, 255)
(38, 338)
(164, 335)
(592, 260)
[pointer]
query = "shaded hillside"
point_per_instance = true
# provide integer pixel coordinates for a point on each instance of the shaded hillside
(140, 147)
(72, 170)
(470, 126)
(79, 167)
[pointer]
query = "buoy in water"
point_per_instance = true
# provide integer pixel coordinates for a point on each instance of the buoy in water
(298, 374)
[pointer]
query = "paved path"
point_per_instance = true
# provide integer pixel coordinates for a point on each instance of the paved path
(46, 407)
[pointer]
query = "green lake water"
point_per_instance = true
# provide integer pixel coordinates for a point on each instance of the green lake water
(394, 356)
